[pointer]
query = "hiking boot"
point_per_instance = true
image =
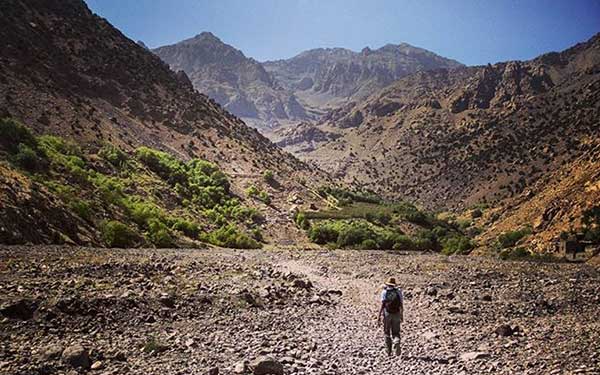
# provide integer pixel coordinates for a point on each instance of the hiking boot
(397, 348)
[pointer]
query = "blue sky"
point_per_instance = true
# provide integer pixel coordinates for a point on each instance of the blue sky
(472, 32)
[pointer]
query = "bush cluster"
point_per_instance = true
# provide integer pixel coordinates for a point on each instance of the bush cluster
(456, 244)
(301, 220)
(82, 208)
(22, 146)
(254, 192)
(113, 155)
(202, 188)
(591, 224)
(199, 181)
(13, 134)
(510, 239)
(116, 234)
(231, 236)
(269, 176)
(353, 233)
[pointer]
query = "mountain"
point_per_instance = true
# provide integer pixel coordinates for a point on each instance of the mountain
(286, 92)
(327, 77)
(68, 73)
(240, 84)
(449, 139)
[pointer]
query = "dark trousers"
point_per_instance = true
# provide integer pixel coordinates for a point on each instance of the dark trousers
(391, 329)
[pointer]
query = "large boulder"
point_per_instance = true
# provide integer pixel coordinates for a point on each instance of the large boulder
(76, 356)
(267, 366)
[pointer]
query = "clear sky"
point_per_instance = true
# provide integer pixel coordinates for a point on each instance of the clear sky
(470, 31)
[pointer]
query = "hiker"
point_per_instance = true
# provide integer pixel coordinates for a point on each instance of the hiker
(392, 310)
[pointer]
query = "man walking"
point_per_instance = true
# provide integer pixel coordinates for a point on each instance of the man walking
(392, 311)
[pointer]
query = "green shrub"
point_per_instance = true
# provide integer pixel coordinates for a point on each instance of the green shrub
(28, 159)
(264, 197)
(116, 234)
(322, 233)
(387, 239)
(369, 244)
(417, 217)
(439, 232)
(510, 239)
(252, 191)
(13, 133)
(230, 236)
(82, 208)
(403, 242)
(516, 253)
(592, 235)
(378, 217)
(456, 245)
(113, 155)
(463, 223)
(65, 192)
(302, 221)
(188, 228)
(142, 212)
(208, 196)
(54, 145)
(257, 234)
(110, 188)
(65, 154)
(158, 234)
(591, 216)
(204, 173)
(354, 233)
(424, 244)
(269, 176)
(163, 164)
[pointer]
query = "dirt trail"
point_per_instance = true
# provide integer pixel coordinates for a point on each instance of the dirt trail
(350, 334)
(438, 335)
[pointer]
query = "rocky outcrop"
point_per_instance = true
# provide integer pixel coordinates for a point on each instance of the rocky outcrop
(304, 134)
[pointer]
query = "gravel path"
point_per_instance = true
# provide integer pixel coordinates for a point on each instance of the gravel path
(217, 311)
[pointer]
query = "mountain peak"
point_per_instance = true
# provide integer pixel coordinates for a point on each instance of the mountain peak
(207, 35)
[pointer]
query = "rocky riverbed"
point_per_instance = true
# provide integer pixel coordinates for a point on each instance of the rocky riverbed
(66, 310)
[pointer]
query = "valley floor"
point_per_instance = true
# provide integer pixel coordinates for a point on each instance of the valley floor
(145, 311)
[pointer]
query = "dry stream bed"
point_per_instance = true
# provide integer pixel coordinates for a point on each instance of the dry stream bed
(67, 310)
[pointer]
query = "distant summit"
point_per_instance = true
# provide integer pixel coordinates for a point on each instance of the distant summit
(302, 88)
(237, 82)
